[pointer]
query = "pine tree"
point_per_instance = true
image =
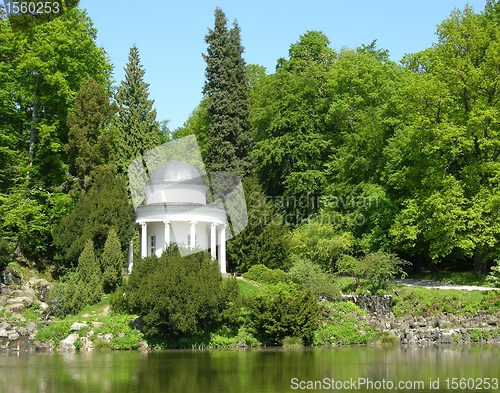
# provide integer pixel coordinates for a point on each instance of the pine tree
(136, 120)
(111, 262)
(228, 106)
(89, 285)
(89, 137)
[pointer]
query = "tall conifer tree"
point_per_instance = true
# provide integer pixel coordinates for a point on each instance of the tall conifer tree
(136, 120)
(228, 105)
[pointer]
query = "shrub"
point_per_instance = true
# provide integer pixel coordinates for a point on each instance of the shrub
(292, 342)
(5, 254)
(282, 310)
(265, 240)
(493, 278)
(264, 275)
(386, 339)
(377, 267)
(311, 277)
(79, 288)
(181, 296)
(321, 243)
(111, 262)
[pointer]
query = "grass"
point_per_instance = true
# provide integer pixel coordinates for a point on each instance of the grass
(342, 324)
(432, 302)
(248, 288)
(458, 278)
(385, 339)
(124, 335)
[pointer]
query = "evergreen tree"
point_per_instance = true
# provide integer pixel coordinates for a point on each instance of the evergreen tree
(111, 262)
(138, 128)
(228, 107)
(265, 238)
(89, 143)
(105, 205)
(89, 285)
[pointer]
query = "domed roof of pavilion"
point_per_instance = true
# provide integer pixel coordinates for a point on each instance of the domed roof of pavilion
(176, 172)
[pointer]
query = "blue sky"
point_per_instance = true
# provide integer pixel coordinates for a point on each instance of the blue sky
(170, 35)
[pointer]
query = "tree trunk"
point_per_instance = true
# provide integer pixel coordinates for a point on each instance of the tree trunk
(480, 262)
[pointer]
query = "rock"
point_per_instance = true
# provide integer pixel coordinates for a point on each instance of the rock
(97, 325)
(22, 331)
(446, 339)
(43, 306)
(31, 327)
(405, 326)
(27, 301)
(3, 333)
(143, 346)
(24, 292)
(6, 290)
(14, 336)
(68, 344)
(77, 326)
(492, 321)
(41, 287)
(108, 337)
(16, 307)
(12, 276)
(87, 344)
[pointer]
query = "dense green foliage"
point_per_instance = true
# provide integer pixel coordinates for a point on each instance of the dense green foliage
(227, 100)
(264, 275)
(322, 243)
(105, 205)
(41, 69)
(378, 268)
(179, 297)
(494, 276)
(80, 287)
(89, 139)
(283, 310)
(265, 240)
(138, 129)
(311, 277)
(353, 163)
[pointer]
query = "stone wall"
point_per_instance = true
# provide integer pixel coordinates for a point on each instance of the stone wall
(419, 330)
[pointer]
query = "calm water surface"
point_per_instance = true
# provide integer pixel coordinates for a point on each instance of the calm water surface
(253, 371)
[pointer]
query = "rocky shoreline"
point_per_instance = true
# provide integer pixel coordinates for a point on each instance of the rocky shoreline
(418, 330)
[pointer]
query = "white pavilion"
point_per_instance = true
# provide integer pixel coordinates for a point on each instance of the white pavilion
(176, 211)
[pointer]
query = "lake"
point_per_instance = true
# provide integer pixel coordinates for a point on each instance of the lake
(446, 368)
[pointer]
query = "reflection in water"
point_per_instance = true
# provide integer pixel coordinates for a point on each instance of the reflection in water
(239, 371)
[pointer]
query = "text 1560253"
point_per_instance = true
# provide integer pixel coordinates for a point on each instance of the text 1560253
(32, 8)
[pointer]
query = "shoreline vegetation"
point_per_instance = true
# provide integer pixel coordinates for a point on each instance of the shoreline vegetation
(396, 315)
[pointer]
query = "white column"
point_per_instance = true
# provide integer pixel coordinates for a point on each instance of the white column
(192, 241)
(167, 234)
(213, 240)
(130, 256)
(222, 249)
(144, 239)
